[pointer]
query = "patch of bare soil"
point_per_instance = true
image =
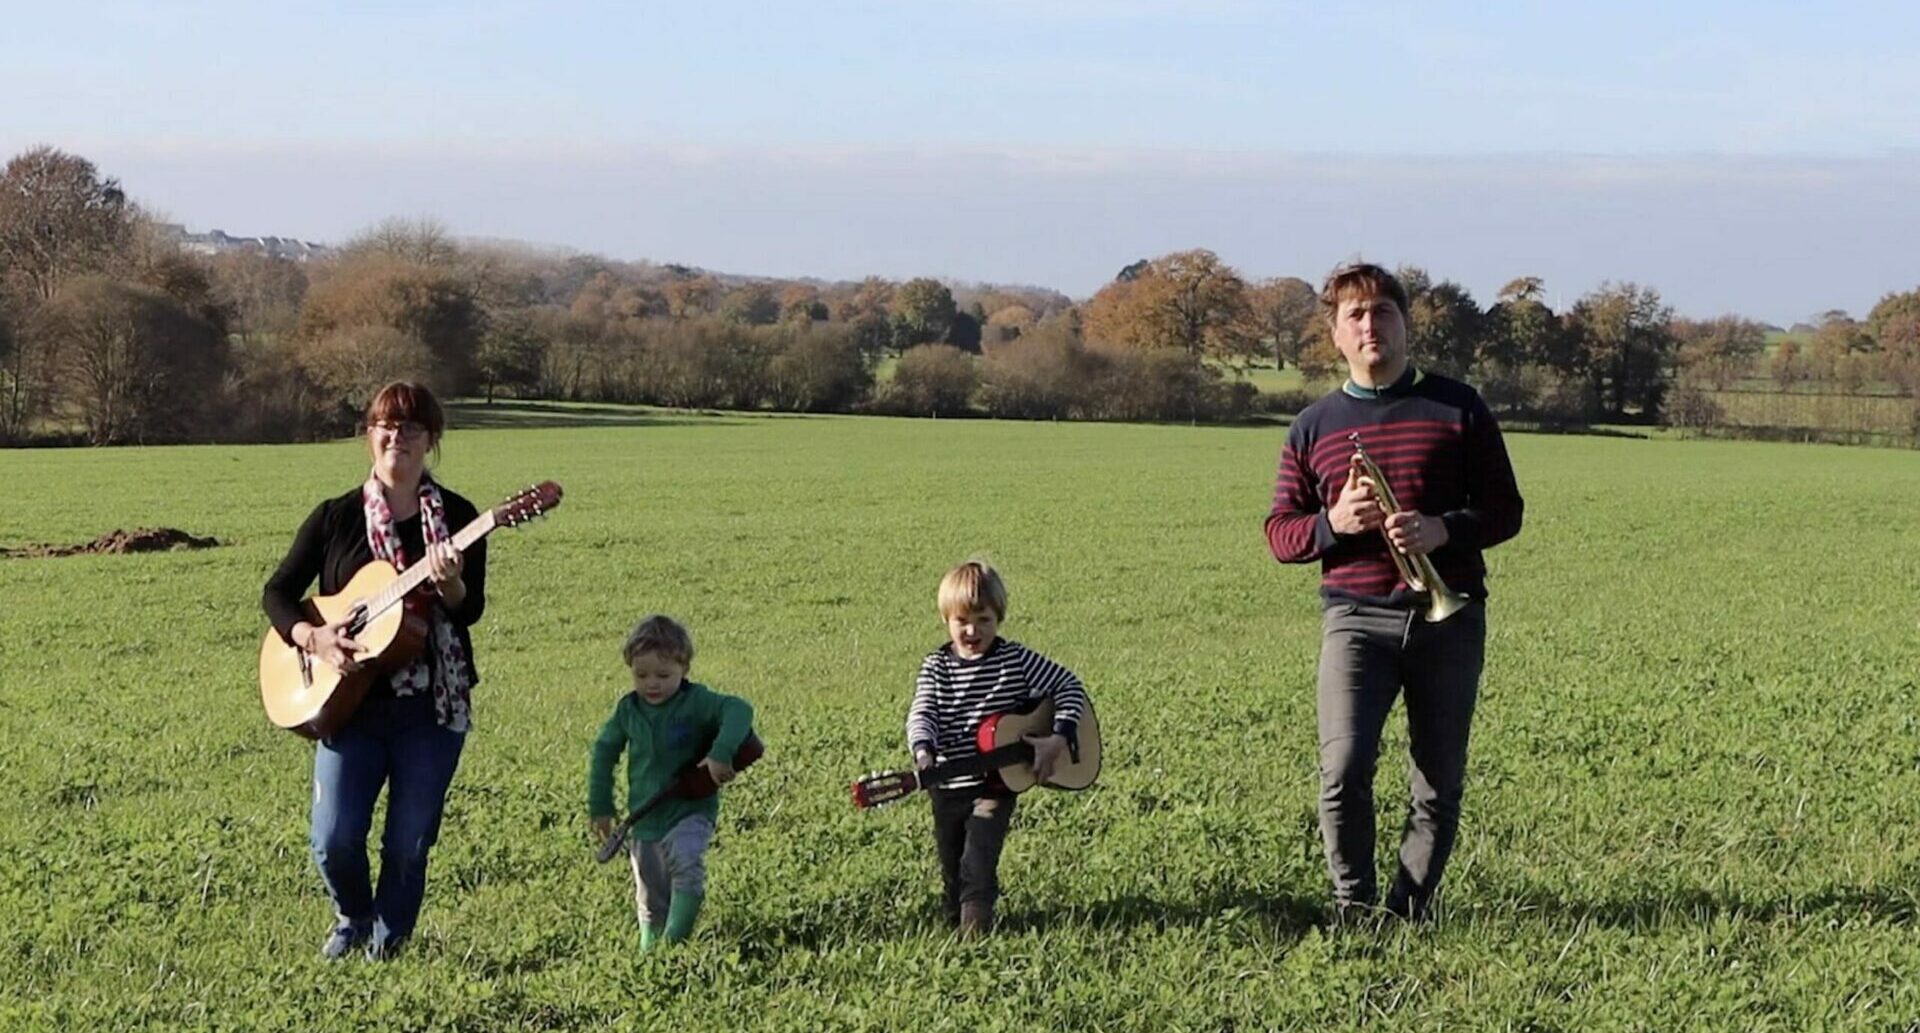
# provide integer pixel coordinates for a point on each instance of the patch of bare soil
(143, 539)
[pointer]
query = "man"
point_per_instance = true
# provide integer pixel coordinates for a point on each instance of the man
(1440, 451)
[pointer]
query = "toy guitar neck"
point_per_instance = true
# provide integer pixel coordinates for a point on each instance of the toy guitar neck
(978, 764)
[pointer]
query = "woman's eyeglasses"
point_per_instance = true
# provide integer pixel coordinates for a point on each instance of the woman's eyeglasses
(406, 429)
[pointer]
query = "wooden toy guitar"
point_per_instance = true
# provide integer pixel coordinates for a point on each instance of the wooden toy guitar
(313, 698)
(693, 784)
(1004, 752)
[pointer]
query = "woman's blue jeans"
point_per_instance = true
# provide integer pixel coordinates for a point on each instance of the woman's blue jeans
(391, 741)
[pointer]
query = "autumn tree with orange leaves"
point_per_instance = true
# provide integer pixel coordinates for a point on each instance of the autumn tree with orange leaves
(1188, 300)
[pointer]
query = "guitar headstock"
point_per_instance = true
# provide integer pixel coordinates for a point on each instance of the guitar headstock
(531, 502)
(883, 787)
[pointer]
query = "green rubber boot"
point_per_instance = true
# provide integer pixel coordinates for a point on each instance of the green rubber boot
(681, 914)
(650, 936)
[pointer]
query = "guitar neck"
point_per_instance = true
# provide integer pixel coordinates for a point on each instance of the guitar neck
(979, 763)
(416, 575)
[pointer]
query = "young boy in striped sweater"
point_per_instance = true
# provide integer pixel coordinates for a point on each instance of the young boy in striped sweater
(975, 675)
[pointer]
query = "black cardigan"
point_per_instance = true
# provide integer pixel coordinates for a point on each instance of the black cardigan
(332, 545)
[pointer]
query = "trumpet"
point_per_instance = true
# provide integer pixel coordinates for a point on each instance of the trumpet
(1417, 571)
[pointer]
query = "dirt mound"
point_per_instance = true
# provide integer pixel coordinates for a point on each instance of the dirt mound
(144, 539)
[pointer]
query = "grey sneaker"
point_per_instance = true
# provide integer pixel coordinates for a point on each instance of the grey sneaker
(345, 937)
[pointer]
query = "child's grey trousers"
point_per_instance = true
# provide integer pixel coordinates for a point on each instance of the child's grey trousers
(676, 863)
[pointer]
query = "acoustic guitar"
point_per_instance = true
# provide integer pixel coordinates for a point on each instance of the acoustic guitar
(312, 698)
(1004, 752)
(692, 783)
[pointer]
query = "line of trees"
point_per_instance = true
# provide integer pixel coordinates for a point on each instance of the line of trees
(110, 333)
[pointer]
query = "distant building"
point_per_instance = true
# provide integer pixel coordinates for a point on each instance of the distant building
(217, 242)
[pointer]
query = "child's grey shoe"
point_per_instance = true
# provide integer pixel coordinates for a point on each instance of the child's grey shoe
(344, 938)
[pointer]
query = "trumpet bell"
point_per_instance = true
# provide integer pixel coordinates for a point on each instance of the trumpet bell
(1442, 604)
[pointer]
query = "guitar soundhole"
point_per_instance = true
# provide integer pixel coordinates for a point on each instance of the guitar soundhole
(357, 622)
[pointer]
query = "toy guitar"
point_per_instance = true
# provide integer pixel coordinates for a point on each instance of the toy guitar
(1004, 752)
(693, 783)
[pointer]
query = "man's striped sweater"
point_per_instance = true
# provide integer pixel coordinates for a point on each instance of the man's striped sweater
(1442, 454)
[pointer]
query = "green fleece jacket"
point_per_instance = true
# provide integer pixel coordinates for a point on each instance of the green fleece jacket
(660, 740)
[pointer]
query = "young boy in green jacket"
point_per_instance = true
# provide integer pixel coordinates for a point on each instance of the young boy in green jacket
(665, 724)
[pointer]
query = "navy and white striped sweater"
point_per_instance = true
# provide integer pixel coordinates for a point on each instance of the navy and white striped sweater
(952, 696)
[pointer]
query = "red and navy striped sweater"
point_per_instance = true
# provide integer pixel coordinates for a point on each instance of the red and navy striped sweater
(1442, 455)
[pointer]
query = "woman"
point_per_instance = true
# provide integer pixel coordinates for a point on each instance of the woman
(408, 731)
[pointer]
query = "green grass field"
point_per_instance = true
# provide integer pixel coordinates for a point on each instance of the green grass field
(1694, 799)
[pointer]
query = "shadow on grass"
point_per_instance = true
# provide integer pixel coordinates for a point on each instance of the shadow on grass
(874, 918)
(1288, 915)
(1894, 903)
(519, 414)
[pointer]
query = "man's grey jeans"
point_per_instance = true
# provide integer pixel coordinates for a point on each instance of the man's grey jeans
(1368, 655)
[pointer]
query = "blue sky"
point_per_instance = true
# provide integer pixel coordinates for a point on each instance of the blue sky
(1758, 157)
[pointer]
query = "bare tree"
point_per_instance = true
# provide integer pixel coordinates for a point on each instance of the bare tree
(1894, 326)
(422, 241)
(58, 219)
(432, 305)
(932, 380)
(135, 362)
(1283, 311)
(264, 291)
(351, 363)
(1719, 351)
